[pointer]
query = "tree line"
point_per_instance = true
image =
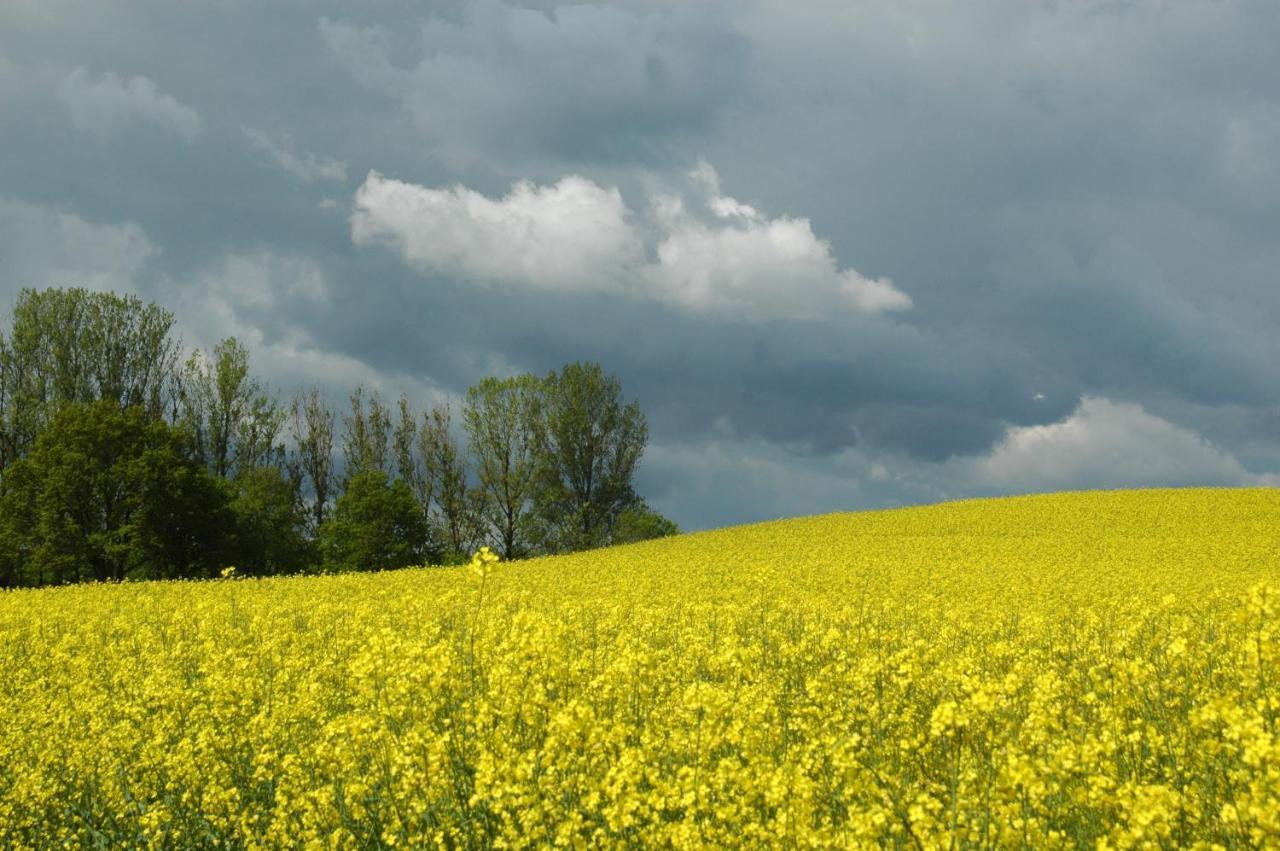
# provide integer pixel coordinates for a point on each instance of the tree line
(123, 457)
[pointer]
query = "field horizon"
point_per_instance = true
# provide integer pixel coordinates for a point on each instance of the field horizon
(852, 516)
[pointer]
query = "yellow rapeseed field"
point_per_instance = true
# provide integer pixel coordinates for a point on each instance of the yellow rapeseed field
(1073, 670)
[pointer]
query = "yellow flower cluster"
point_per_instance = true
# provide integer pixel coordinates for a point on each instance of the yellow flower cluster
(1062, 671)
(482, 562)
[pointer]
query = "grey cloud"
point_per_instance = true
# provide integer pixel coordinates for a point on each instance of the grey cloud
(48, 247)
(106, 104)
(577, 83)
(304, 165)
(1101, 444)
(1080, 199)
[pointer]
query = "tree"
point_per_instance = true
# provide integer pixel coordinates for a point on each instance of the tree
(499, 417)
(234, 421)
(410, 461)
(107, 494)
(312, 462)
(16, 428)
(19, 521)
(460, 507)
(270, 522)
(376, 524)
(74, 346)
(365, 436)
(639, 522)
(588, 444)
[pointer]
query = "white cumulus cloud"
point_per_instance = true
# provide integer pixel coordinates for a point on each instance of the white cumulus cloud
(711, 254)
(573, 235)
(110, 103)
(1106, 444)
(741, 262)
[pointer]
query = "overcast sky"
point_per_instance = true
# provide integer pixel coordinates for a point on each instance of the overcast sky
(844, 254)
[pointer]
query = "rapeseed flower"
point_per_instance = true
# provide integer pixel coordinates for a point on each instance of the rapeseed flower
(1092, 669)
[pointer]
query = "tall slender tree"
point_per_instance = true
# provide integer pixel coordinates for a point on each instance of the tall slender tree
(234, 420)
(366, 435)
(312, 425)
(409, 461)
(499, 416)
(460, 508)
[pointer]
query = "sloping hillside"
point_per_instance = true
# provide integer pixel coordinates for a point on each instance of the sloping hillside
(1046, 671)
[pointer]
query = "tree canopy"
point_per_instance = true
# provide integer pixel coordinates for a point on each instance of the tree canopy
(73, 345)
(588, 443)
(499, 416)
(121, 458)
(109, 493)
(376, 525)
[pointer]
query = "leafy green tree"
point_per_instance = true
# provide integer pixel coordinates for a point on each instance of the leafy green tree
(107, 494)
(460, 508)
(75, 346)
(233, 419)
(588, 443)
(499, 416)
(311, 462)
(376, 524)
(19, 521)
(270, 524)
(639, 522)
(410, 464)
(366, 435)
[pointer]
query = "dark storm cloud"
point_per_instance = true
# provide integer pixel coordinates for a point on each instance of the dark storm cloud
(505, 84)
(1080, 201)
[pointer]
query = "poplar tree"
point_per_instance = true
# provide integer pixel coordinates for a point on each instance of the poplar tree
(499, 418)
(312, 425)
(366, 435)
(235, 422)
(460, 508)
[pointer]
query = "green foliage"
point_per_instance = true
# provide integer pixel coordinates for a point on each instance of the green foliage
(588, 443)
(366, 435)
(376, 524)
(311, 460)
(233, 419)
(270, 521)
(116, 461)
(460, 508)
(410, 462)
(639, 522)
(500, 417)
(109, 494)
(74, 346)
